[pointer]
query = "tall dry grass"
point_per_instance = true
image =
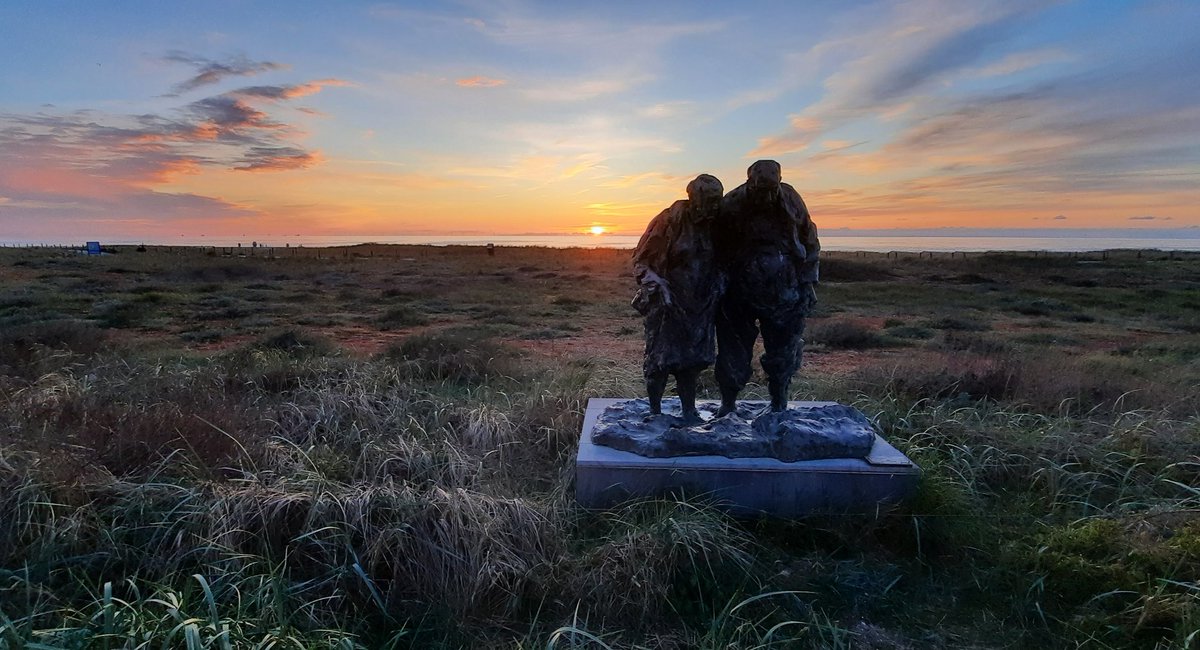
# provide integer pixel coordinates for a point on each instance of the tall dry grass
(284, 492)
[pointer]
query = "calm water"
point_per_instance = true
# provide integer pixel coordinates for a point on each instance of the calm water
(1078, 241)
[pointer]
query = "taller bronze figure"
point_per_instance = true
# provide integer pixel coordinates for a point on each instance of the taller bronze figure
(679, 288)
(767, 246)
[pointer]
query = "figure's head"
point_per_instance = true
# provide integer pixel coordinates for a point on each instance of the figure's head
(763, 179)
(704, 193)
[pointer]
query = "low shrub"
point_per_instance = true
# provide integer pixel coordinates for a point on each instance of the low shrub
(202, 336)
(23, 347)
(544, 334)
(295, 343)
(975, 343)
(957, 324)
(1055, 383)
(839, 270)
(458, 355)
(943, 376)
(679, 554)
(1042, 307)
(10, 299)
(569, 304)
(116, 426)
(910, 332)
(117, 314)
(400, 316)
(221, 272)
(845, 335)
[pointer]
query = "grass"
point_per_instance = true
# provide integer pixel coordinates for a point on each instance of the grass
(250, 458)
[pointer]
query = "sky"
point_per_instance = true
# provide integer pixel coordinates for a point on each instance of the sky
(273, 119)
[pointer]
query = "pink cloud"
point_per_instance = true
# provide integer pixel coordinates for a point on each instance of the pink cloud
(97, 164)
(480, 82)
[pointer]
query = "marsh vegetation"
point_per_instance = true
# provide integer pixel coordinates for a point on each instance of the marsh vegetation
(375, 448)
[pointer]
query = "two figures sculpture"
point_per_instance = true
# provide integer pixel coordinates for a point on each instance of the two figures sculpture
(716, 271)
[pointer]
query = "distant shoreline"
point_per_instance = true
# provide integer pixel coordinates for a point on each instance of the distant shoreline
(910, 240)
(829, 244)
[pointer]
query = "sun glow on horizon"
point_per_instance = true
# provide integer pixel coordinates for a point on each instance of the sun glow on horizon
(597, 230)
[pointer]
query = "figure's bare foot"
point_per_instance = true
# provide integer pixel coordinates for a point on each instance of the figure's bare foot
(726, 409)
(778, 406)
(691, 417)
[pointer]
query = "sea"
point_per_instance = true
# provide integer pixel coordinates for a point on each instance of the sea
(935, 240)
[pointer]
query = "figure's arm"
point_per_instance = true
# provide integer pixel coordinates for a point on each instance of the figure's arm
(810, 270)
(805, 233)
(650, 256)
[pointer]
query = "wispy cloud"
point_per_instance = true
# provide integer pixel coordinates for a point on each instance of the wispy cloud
(1021, 61)
(479, 81)
(1092, 133)
(594, 134)
(905, 51)
(538, 169)
(578, 90)
(624, 211)
(523, 27)
(70, 162)
(667, 110)
(259, 159)
(209, 72)
(805, 129)
(284, 92)
(656, 179)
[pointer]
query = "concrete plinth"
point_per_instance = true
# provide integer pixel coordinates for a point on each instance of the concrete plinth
(751, 487)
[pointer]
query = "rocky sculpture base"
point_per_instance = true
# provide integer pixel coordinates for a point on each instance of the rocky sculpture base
(808, 432)
(606, 477)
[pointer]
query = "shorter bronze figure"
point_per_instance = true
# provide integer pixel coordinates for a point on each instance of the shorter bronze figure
(680, 285)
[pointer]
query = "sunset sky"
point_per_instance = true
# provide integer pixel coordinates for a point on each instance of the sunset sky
(269, 119)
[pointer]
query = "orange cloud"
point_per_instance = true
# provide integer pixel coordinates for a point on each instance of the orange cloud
(479, 81)
(276, 93)
(166, 170)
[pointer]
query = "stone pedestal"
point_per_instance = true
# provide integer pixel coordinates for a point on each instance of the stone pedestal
(749, 487)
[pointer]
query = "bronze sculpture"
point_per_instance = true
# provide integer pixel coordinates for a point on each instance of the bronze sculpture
(767, 245)
(726, 273)
(680, 286)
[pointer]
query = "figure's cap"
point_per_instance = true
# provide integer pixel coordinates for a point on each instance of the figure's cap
(765, 173)
(705, 185)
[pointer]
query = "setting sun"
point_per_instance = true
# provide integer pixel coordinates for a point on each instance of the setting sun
(597, 230)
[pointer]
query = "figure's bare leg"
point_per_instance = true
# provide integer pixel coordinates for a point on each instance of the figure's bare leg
(779, 393)
(685, 384)
(783, 345)
(728, 401)
(736, 333)
(655, 386)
